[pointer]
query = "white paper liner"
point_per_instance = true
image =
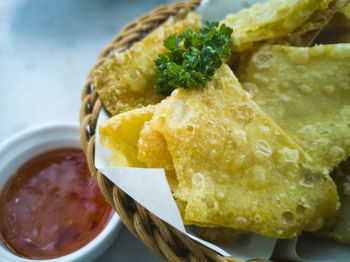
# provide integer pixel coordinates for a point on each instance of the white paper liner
(149, 187)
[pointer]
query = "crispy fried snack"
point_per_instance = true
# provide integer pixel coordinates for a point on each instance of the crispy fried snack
(153, 149)
(230, 166)
(306, 91)
(294, 22)
(270, 20)
(235, 167)
(126, 80)
(123, 135)
(120, 134)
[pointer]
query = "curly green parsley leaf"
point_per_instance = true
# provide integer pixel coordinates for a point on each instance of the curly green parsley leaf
(193, 57)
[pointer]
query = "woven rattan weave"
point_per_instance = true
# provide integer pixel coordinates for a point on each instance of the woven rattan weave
(165, 241)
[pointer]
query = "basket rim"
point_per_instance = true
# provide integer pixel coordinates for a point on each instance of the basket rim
(165, 241)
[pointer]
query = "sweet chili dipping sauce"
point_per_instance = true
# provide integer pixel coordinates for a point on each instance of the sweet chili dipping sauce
(52, 206)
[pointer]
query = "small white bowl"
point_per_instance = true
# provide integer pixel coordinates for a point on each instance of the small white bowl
(25, 145)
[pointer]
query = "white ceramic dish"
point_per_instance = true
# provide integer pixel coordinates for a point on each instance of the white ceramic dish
(23, 146)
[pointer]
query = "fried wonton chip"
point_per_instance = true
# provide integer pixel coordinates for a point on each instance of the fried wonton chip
(126, 80)
(270, 20)
(341, 230)
(153, 149)
(121, 133)
(306, 91)
(305, 34)
(235, 167)
(123, 136)
(295, 23)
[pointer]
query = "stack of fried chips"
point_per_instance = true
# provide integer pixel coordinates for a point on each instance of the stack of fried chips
(249, 154)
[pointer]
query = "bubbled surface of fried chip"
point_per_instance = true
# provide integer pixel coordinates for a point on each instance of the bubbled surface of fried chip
(306, 91)
(235, 167)
(153, 149)
(121, 133)
(270, 20)
(126, 80)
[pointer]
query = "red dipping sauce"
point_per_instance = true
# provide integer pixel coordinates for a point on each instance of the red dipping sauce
(52, 206)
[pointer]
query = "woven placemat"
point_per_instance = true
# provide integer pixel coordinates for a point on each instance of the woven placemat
(165, 241)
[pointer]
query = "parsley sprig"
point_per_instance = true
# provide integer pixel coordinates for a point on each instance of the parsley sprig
(193, 57)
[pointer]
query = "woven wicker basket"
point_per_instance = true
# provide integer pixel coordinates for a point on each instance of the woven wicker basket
(166, 242)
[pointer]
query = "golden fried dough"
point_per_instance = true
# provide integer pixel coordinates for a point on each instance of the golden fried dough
(270, 20)
(293, 23)
(306, 91)
(126, 80)
(123, 136)
(306, 33)
(120, 134)
(235, 167)
(256, 158)
(153, 149)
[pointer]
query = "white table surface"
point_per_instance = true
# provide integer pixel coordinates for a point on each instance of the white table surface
(46, 50)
